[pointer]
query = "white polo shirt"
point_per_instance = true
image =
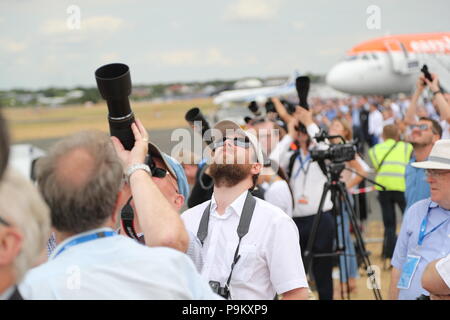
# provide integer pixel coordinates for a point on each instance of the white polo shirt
(443, 268)
(270, 260)
(115, 267)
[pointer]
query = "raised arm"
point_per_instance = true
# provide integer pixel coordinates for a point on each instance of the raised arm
(160, 223)
(281, 110)
(439, 99)
(410, 116)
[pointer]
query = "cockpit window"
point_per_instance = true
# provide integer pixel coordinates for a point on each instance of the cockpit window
(351, 58)
(374, 56)
(365, 57)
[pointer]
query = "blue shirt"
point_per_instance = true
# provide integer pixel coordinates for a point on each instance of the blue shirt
(355, 117)
(114, 267)
(417, 188)
(436, 245)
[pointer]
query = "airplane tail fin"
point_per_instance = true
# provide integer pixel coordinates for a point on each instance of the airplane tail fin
(292, 78)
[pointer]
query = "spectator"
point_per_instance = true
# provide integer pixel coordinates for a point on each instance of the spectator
(24, 230)
(423, 136)
(81, 180)
(436, 279)
(276, 187)
(270, 257)
(307, 180)
(342, 127)
(425, 229)
(375, 124)
(389, 160)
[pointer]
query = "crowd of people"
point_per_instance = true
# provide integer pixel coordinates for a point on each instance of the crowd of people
(103, 222)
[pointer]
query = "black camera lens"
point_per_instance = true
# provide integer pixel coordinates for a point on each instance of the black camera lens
(114, 85)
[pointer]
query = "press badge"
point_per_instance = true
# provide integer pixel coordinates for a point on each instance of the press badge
(303, 200)
(408, 270)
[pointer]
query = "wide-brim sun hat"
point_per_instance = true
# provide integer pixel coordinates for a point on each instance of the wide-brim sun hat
(439, 157)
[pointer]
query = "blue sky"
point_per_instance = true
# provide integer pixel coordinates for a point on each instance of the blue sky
(167, 41)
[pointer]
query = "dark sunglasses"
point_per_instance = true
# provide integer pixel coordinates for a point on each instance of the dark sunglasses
(156, 171)
(421, 127)
(243, 142)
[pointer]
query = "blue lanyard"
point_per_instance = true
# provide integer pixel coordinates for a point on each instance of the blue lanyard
(86, 238)
(423, 227)
(302, 165)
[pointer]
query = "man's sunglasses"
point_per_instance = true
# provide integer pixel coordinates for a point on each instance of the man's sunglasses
(243, 142)
(156, 171)
(421, 127)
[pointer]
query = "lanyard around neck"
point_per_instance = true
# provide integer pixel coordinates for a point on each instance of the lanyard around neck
(423, 227)
(85, 238)
(303, 163)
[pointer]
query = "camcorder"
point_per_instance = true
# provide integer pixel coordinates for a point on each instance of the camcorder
(336, 153)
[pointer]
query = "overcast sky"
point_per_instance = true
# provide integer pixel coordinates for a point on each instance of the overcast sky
(179, 40)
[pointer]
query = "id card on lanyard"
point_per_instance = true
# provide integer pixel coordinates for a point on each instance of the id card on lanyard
(413, 259)
(306, 163)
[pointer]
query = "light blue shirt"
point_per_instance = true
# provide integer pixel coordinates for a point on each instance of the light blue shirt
(436, 245)
(417, 188)
(114, 267)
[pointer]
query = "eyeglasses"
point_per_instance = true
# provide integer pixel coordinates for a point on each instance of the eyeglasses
(433, 173)
(4, 222)
(243, 142)
(421, 127)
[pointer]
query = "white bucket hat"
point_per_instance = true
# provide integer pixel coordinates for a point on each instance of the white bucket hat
(223, 125)
(439, 157)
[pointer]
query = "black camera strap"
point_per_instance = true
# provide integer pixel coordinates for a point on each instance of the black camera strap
(385, 156)
(127, 216)
(242, 230)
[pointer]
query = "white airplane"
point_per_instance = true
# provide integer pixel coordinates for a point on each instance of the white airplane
(240, 96)
(391, 64)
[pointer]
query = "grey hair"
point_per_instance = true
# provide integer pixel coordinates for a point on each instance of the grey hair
(21, 205)
(81, 192)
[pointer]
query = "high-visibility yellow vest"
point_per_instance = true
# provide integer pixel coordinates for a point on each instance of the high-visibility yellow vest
(391, 175)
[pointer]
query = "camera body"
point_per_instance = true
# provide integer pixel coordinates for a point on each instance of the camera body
(224, 292)
(336, 153)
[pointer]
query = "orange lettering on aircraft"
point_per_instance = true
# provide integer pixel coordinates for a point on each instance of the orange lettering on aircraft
(413, 43)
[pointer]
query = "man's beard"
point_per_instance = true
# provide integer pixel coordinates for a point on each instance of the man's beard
(229, 175)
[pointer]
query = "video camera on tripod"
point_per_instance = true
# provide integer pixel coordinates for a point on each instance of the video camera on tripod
(336, 153)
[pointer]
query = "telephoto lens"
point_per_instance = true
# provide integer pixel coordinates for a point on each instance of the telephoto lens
(114, 85)
(302, 86)
(194, 115)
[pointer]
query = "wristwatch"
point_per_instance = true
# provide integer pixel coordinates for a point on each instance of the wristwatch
(135, 167)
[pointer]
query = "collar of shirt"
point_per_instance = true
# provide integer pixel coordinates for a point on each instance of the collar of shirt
(66, 241)
(237, 205)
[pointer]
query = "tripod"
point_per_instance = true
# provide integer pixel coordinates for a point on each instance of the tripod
(339, 193)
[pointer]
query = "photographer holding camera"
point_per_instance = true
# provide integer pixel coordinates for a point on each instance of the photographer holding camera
(82, 181)
(307, 181)
(263, 258)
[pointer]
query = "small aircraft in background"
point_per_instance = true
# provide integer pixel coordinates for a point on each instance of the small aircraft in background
(391, 64)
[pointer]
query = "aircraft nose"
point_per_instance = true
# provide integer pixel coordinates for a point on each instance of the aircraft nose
(338, 77)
